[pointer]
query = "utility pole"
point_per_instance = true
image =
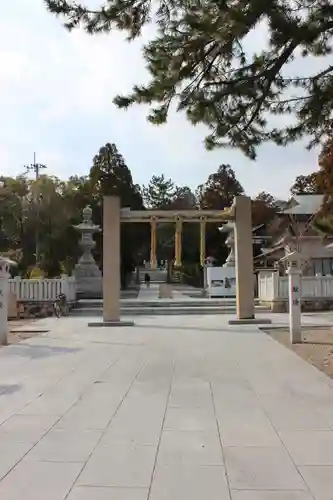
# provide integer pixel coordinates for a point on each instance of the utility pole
(36, 168)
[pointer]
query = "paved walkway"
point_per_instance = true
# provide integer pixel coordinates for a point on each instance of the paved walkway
(149, 293)
(171, 409)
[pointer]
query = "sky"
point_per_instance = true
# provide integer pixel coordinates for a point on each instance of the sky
(56, 92)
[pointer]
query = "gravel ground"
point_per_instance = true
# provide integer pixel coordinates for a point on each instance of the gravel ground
(316, 348)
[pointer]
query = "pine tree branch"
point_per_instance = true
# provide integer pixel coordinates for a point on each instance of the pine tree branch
(270, 77)
(198, 59)
(322, 73)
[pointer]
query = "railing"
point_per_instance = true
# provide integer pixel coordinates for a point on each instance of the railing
(274, 287)
(42, 290)
(267, 285)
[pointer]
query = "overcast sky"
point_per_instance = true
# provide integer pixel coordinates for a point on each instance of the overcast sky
(56, 92)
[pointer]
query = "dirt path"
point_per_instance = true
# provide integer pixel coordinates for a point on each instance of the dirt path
(316, 348)
(14, 337)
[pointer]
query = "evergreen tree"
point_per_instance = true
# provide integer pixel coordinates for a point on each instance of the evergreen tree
(110, 176)
(264, 209)
(159, 193)
(200, 58)
(184, 199)
(217, 193)
(219, 190)
(325, 175)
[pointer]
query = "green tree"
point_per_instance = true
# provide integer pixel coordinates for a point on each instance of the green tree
(13, 212)
(36, 211)
(218, 193)
(109, 176)
(324, 184)
(219, 190)
(266, 198)
(200, 58)
(159, 193)
(324, 177)
(264, 208)
(306, 184)
(183, 199)
(321, 181)
(49, 207)
(58, 240)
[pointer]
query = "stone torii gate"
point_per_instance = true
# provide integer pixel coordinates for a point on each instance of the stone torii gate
(178, 218)
(113, 215)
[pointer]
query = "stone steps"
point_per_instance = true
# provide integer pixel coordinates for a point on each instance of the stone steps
(156, 275)
(124, 303)
(160, 311)
(165, 307)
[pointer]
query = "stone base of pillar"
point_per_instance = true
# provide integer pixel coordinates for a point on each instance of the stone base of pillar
(279, 306)
(89, 287)
(250, 321)
(111, 323)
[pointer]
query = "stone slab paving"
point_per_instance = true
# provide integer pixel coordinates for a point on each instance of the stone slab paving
(174, 408)
(149, 293)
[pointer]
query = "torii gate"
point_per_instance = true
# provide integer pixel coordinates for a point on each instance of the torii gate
(113, 215)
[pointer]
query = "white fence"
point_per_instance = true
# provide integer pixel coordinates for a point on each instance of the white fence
(42, 290)
(271, 286)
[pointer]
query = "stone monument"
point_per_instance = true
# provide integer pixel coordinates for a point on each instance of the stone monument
(87, 274)
(221, 281)
(229, 228)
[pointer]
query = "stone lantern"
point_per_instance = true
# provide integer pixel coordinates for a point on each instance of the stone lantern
(87, 274)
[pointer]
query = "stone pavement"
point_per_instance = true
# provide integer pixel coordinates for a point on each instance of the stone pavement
(148, 293)
(174, 408)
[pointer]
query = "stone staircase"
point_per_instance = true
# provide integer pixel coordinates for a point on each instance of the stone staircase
(156, 275)
(162, 307)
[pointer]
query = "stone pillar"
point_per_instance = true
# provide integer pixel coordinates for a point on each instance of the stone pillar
(244, 258)
(295, 326)
(294, 287)
(202, 242)
(178, 242)
(4, 275)
(111, 258)
(153, 243)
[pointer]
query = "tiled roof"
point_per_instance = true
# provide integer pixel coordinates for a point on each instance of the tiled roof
(269, 251)
(304, 204)
(8, 261)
